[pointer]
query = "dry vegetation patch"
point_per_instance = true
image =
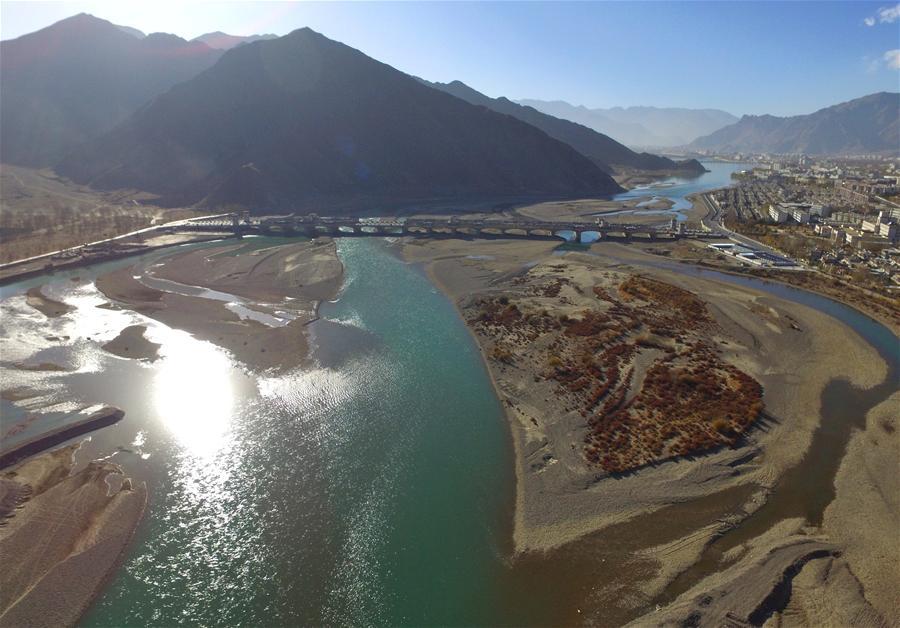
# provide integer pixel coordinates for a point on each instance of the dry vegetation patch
(41, 213)
(680, 399)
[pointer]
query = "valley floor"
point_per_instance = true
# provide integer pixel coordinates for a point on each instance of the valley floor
(615, 545)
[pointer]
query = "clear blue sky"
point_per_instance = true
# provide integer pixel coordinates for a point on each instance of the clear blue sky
(755, 57)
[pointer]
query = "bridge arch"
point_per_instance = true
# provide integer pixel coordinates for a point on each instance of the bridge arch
(516, 232)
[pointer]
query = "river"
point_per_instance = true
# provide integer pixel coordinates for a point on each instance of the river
(374, 489)
(677, 189)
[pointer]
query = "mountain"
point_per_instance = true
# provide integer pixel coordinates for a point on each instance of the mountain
(870, 124)
(629, 133)
(131, 31)
(224, 41)
(78, 78)
(641, 126)
(302, 121)
(601, 149)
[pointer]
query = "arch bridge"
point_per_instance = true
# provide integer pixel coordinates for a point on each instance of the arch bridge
(312, 225)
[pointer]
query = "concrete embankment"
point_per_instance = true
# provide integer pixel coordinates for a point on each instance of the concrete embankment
(101, 418)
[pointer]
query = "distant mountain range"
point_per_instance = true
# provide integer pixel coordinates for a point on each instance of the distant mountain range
(640, 126)
(302, 121)
(607, 153)
(78, 78)
(224, 41)
(866, 125)
(217, 40)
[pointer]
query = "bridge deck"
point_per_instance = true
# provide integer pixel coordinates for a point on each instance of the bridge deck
(418, 227)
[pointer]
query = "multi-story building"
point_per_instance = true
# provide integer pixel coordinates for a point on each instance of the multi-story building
(777, 214)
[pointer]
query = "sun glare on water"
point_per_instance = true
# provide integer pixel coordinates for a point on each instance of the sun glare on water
(193, 393)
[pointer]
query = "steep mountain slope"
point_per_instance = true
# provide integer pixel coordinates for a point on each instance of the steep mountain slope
(224, 41)
(641, 126)
(302, 121)
(604, 151)
(73, 80)
(870, 124)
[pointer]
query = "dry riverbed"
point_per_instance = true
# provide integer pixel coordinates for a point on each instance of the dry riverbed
(279, 289)
(565, 499)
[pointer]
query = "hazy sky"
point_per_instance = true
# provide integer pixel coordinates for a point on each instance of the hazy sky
(756, 57)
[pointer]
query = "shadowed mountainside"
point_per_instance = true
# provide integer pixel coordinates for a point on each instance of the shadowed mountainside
(78, 78)
(301, 121)
(870, 124)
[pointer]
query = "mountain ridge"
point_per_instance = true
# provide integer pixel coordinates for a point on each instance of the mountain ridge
(865, 125)
(79, 77)
(223, 41)
(301, 120)
(607, 153)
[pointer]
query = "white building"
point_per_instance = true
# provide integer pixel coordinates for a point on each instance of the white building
(888, 230)
(798, 212)
(800, 216)
(777, 214)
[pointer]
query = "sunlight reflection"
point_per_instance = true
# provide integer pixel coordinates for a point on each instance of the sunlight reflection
(193, 393)
(92, 318)
(310, 396)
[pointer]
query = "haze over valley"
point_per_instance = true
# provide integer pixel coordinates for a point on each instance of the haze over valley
(641, 126)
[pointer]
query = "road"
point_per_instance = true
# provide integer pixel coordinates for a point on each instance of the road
(714, 222)
(130, 234)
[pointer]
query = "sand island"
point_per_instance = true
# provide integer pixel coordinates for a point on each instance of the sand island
(632, 388)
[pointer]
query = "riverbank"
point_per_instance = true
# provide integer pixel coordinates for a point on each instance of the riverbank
(698, 210)
(697, 252)
(12, 272)
(63, 536)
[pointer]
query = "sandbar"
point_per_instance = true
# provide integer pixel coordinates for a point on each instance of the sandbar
(65, 537)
